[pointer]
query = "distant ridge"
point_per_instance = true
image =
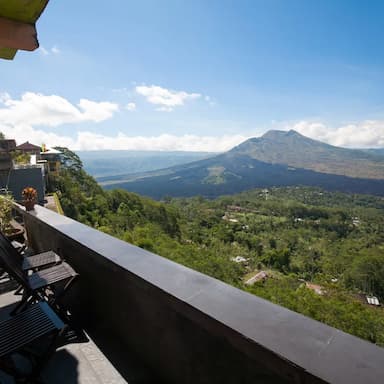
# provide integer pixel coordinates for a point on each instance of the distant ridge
(114, 165)
(278, 158)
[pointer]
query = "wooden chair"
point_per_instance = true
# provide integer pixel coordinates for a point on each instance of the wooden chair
(35, 262)
(46, 284)
(18, 334)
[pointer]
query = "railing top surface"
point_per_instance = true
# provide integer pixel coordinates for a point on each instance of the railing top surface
(325, 352)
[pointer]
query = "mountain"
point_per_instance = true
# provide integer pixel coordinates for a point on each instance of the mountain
(114, 165)
(293, 149)
(375, 151)
(278, 158)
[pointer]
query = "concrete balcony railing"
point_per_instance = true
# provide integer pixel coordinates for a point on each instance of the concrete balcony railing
(191, 328)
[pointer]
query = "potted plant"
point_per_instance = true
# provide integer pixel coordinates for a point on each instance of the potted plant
(29, 196)
(8, 226)
(6, 203)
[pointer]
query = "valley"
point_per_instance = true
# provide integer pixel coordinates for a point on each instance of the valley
(109, 167)
(317, 252)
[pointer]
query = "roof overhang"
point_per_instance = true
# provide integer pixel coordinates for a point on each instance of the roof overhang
(17, 25)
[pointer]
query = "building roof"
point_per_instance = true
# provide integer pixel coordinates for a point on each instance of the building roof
(373, 300)
(262, 275)
(50, 151)
(27, 146)
(17, 26)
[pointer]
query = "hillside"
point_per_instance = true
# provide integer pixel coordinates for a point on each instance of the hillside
(291, 235)
(275, 159)
(375, 151)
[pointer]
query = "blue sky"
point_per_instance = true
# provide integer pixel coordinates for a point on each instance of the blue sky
(198, 75)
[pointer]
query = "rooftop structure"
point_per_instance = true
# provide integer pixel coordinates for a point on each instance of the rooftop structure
(50, 151)
(27, 147)
(259, 276)
(15, 177)
(53, 158)
(373, 300)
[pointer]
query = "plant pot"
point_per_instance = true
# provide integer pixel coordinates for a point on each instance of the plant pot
(29, 204)
(14, 233)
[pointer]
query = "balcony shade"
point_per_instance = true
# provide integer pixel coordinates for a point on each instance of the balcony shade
(17, 26)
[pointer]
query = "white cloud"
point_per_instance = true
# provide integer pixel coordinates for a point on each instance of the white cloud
(24, 132)
(55, 50)
(131, 106)
(53, 110)
(164, 142)
(4, 96)
(86, 140)
(52, 51)
(363, 134)
(210, 101)
(167, 99)
(19, 118)
(164, 109)
(97, 111)
(43, 51)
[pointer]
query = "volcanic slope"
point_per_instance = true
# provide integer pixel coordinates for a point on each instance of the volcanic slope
(278, 158)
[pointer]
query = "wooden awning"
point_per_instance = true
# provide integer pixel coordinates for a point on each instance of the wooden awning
(17, 25)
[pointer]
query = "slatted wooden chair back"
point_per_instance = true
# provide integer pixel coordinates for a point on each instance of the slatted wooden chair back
(12, 261)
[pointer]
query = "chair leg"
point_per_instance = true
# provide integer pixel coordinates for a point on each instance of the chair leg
(27, 299)
(59, 295)
(19, 290)
(20, 306)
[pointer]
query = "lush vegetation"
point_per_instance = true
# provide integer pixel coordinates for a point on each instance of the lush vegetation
(296, 235)
(20, 157)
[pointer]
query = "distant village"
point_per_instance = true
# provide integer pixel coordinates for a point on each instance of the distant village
(27, 165)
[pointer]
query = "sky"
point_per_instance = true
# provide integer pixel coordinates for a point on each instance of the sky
(198, 75)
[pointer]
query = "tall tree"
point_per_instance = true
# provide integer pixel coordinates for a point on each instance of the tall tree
(70, 159)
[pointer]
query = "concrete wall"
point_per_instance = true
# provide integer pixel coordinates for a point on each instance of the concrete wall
(188, 327)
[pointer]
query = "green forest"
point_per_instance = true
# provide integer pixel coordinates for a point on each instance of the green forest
(321, 252)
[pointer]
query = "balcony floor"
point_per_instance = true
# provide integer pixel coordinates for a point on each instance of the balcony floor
(75, 363)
